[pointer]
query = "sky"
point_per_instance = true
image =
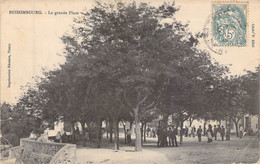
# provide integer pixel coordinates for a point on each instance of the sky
(34, 40)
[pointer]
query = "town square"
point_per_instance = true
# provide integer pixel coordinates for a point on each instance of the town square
(126, 81)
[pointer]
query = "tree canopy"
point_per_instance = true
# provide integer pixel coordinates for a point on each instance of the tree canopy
(136, 62)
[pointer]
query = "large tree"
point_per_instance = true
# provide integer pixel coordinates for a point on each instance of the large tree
(141, 51)
(129, 60)
(126, 42)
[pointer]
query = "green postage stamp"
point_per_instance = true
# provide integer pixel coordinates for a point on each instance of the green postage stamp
(229, 24)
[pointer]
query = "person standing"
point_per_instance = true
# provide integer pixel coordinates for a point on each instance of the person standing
(186, 131)
(77, 133)
(148, 131)
(165, 134)
(228, 134)
(194, 130)
(199, 132)
(58, 137)
(175, 132)
(128, 136)
(154, 135)
(241, 130)
(170, 136)
(159, 135)
(218, 132)
(215, 130)
(162, 137)
(222, 132)
(209, 133)
(190, 131)
(64, 138)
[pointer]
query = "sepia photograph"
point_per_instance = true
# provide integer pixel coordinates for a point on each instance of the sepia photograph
(129, 81)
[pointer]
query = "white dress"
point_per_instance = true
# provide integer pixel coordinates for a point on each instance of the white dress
(218, 136)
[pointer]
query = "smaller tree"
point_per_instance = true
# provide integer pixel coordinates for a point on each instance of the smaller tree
(235, 98)
(17, 123)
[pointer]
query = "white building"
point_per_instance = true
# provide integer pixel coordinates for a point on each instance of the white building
(200, 122)
(248, 121)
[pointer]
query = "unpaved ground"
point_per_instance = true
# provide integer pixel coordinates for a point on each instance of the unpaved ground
(244, 150)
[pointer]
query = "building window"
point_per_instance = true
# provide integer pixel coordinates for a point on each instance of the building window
(256, 126)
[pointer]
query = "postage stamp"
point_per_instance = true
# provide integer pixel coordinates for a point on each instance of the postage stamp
(229, 24)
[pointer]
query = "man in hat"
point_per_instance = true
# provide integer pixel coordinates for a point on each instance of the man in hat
(199, 132)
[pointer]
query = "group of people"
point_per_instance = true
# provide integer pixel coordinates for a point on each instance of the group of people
(167, 136)
(189, 131)
(217, 132)
(151, 132)
(192, 131)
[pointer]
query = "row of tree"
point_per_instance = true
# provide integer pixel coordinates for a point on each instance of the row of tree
(135, 63)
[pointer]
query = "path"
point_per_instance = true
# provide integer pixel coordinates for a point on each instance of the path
(191, 151)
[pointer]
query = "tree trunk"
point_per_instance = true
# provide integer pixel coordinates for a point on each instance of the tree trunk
(124, 132)
(142, 133)
(116, 139)
(236, 124)
(107, 128)
(258, 128)
(110, 132)
(177, 124)
(99, 134)
(145, 132)
(204, 127)
(235, 120)
(191, 120)
(138, 142)
(87, 130)
(83, 131)
(73, 133)
(131, 124)
(117, 135)
(181, 135)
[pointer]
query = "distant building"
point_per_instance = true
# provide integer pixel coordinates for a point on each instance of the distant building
(247, 122)
(200, 122)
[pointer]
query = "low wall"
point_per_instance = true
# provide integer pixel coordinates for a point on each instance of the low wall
(67, 155)
(42, 152)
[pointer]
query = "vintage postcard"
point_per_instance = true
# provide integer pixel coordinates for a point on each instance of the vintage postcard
(124, 81)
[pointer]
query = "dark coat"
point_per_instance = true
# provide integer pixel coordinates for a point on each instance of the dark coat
(222, 131)
(199, 131)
